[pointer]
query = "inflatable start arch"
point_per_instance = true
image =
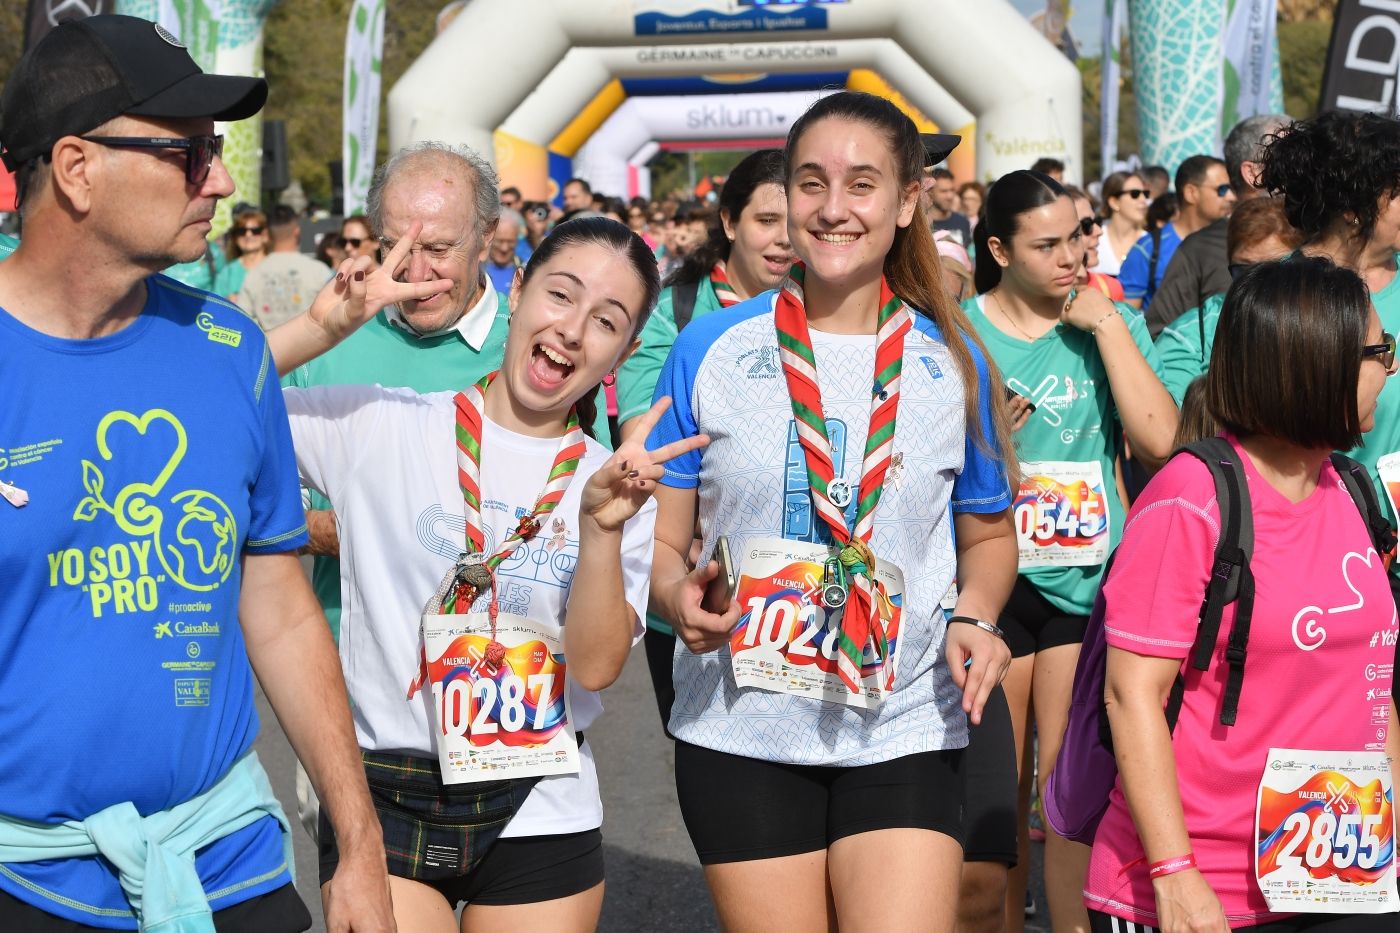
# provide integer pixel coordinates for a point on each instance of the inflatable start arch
(528, 81)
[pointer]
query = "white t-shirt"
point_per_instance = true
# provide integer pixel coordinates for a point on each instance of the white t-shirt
(725, 378)
(387, 461)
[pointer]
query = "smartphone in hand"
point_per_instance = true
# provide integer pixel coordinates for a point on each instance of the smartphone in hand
(722, 588)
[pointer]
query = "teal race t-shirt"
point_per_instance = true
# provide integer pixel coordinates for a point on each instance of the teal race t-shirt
(1068, 512)
(1181, 347)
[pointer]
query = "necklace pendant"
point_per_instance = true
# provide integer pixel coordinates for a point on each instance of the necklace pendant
(13, 494)
(495, 654)
(834, 588)
(528, 527)
(839, 492)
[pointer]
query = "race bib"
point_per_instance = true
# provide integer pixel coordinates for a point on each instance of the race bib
(513, 721)
(1389, 469)
(1062, 514)
(1325, 833)
(785, 641)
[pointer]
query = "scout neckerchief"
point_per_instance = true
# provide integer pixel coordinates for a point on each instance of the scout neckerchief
(481, 573)
(862, 621)
(719, 281)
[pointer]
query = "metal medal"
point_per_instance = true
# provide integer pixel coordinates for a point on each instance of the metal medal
(839, 492)
(834, 589)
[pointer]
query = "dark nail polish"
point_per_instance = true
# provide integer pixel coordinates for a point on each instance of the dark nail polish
(360, 276)
(340, 276)
(632, 475)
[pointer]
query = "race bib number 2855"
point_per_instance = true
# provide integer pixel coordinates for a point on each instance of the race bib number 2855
(1325, 832)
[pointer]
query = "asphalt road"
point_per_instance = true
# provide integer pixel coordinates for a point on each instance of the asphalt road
(654, 882)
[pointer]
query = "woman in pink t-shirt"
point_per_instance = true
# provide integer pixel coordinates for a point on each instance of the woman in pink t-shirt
(1298, 362)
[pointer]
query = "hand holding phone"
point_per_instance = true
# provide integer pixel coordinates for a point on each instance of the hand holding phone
(721, 589)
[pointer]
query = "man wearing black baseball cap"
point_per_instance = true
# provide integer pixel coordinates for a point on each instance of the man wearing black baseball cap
(149, 530)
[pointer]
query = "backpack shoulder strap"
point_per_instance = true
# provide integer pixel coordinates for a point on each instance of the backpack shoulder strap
(1156, 234)
(1231, 579)
(1357, 480)
(683, 302)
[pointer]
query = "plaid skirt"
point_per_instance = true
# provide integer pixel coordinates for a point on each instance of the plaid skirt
(432, 831)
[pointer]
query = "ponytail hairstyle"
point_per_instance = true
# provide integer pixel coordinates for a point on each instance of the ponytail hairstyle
(598, 230)
(1014, 194)
(764, 167)
(912, 266)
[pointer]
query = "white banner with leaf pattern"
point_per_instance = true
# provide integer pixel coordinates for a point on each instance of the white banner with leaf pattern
(364, 52)
(1245, 88)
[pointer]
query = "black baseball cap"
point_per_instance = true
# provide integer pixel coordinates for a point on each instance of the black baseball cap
(938, 146)
(88, 71)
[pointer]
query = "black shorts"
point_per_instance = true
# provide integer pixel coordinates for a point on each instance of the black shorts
(1302, 923)
(989, 805)
(1032, 623)
(739, 809)
(515, 870)
(277, 911)
(661, 649)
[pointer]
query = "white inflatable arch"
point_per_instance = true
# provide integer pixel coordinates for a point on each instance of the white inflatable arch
(608, 157)
(507, 76)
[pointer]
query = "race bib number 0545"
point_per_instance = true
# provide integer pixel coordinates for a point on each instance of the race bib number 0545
(1325, 832)
(507, 722)
(786, 639)
(1061, 514)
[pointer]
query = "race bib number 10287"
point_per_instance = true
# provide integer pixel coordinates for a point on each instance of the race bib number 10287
(509, 721)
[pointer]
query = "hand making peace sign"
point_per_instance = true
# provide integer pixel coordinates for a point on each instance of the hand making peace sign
(623, 485)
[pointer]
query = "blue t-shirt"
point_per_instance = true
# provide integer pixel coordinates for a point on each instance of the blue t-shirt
(501, 276)
(154, 459)
(725, 379)
(1138, 283)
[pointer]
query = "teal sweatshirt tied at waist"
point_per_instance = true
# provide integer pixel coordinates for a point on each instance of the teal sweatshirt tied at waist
(154, 855)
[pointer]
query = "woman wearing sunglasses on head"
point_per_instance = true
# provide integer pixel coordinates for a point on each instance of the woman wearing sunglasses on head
(856, 466)
(1082, 372)
(247, 244)
(1125, 211)
(1261, 804)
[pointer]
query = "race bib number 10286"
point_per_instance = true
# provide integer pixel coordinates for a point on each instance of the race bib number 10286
(785, 640)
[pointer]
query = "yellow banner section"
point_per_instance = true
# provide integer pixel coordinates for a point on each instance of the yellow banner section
(573, 136)
(523, 164)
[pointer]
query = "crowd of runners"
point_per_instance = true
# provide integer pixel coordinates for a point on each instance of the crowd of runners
(1071, 514)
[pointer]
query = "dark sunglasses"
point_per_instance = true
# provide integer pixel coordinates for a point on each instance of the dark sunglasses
(1223, 190)
(1238, 269)
(351, 241)
(1386, 351)
(1134, 193)
(255, 230)
(1087, 225)
(200, 151)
